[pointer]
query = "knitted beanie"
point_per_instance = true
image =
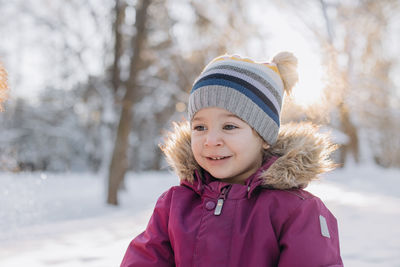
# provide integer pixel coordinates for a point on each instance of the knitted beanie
(251, 90)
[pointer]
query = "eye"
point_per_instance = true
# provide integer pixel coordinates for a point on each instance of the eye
(230, 127)
(199, 128)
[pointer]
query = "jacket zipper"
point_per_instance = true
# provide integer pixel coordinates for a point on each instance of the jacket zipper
(221, 198)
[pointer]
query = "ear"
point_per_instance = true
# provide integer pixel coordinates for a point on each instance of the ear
(265, 145)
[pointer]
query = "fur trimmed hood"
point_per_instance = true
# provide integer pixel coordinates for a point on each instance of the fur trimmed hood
(303, 153)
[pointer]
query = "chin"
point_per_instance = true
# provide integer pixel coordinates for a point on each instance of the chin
(217, 175)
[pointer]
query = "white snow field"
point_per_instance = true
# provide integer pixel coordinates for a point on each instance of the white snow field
(61, 219)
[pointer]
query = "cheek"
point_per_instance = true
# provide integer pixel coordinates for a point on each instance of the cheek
(195, 146)
(250, 145)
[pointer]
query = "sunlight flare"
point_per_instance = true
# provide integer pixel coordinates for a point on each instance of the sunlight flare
(309, 89)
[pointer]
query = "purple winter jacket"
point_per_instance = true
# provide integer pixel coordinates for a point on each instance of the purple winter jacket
(268, 221)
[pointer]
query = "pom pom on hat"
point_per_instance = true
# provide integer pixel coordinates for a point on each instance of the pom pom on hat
(287, 65)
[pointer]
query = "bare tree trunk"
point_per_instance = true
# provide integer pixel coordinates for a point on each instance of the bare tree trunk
(161, 118)
(120, 7)
(347, 126)
(351, 131)
(119, 160)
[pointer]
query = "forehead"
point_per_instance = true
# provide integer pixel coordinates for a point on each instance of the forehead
(213, 113)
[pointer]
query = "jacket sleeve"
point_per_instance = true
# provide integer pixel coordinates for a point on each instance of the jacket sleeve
(152, 247)
(310, 237)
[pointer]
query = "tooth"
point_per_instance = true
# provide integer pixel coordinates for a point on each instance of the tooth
(217, 158)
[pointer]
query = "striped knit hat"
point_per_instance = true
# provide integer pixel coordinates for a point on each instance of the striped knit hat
(251, 90)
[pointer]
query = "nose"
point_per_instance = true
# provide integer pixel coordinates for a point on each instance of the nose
(213, 138)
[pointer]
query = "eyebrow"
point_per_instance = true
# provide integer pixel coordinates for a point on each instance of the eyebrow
(227, 115)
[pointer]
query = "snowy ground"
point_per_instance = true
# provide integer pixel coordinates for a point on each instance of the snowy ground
(60, 220)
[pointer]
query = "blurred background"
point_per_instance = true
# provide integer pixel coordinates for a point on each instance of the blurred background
(95, 84)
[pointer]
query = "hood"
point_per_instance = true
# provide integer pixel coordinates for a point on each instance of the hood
(303, 154)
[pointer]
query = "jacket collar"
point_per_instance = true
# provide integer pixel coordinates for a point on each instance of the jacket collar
(298, 157)
(204, 182)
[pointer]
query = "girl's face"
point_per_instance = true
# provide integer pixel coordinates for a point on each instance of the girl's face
(225, 146)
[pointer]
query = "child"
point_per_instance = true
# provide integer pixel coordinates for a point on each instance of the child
(241, 200)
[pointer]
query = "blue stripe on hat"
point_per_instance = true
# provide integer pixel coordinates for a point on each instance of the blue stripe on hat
(241, 89)
(246, 84)
(262, 71)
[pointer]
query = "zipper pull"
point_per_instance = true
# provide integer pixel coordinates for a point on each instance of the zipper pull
(218, 208)
(221, 199)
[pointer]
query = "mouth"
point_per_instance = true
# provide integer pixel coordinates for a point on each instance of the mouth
(218, 158)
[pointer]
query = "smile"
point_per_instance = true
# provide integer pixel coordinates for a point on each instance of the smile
(217, 158)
